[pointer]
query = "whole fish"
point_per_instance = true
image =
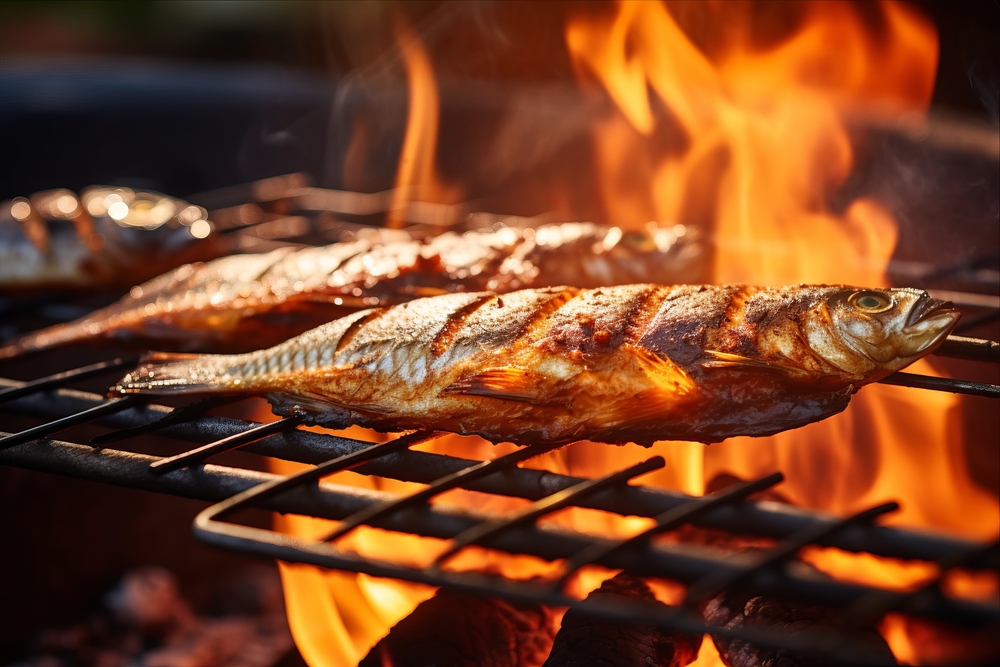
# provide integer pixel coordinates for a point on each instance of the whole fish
(106, 237)
(243, 302)
(634, 363)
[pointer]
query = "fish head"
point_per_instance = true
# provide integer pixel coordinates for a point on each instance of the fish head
(871, 333)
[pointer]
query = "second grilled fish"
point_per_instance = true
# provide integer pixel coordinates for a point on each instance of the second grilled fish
(635, 363)
(246, 301)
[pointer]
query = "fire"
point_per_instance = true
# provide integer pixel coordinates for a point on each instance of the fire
(416, 176)
(734, 119)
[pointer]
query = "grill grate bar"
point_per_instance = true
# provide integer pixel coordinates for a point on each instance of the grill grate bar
(716, 582)
(869, 608)
(547, 505)
(339, 464)
(943, 384)
(974, 349)
(453, 481)
(669, 520)
(60, 379)
(175, 416)
(228, 444)
(64, 423)
(423, 467)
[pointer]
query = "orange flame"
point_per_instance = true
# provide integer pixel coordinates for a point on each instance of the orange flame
(736, 123)
(416, 176)
(751, 140)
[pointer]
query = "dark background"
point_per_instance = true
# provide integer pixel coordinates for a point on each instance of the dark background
(188, 96)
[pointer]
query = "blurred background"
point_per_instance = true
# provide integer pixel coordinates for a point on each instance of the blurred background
(184, 97)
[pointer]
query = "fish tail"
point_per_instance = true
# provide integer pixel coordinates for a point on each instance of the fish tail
(179, 373)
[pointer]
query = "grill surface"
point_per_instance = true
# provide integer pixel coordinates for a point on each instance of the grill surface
(706, 572)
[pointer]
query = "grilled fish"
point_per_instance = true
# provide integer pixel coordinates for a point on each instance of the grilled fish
(107, 237)
(243, 302)
(634, 363)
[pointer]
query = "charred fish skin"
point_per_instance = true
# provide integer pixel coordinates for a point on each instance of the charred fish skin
(267, 298)
(633, 363)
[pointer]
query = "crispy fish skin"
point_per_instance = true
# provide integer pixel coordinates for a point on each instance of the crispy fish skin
(634, 363)
(263, 299)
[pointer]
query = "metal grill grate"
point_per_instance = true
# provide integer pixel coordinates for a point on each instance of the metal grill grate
(705, 572)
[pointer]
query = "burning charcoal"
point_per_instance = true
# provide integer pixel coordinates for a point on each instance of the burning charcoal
(461, 630)
(148, 600)
(741, 610)
(146, 622)
(584, 641)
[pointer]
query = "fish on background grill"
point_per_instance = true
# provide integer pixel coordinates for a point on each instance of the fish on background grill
(246, 301)
(107, 237)
(634, 363)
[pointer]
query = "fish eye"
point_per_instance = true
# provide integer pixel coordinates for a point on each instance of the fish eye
(871, 302)
(638, 241)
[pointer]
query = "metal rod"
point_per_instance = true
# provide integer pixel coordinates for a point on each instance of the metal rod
(971, 322)
(769, 520)
(49, 428)
(667, 521)
(975, 349)
(225, 445)
(437, 487)
(968, 299)
(547, 505)
(10, 393)
(175, 416)
(716, 582)
(868, 609)
(339, 464)
(942, 384)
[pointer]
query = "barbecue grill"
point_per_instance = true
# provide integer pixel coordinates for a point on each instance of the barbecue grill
(516, 145)
(127, 422)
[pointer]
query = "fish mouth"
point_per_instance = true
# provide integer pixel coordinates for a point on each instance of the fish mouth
(927, 308)
(929, 323)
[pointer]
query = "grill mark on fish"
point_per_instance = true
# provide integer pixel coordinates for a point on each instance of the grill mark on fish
(355, 327)
(734, 333)
(540, 320)
(500, 325)
(594, 320)
(678, 329)
(443, 340)
(641, 314)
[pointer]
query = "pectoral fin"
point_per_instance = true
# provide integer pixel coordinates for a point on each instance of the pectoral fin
(669, 378)
(507, 383)
(738, 362)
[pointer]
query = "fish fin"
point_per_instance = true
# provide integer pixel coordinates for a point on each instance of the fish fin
(507, 383)
(665, 374)
(739, 362)
(177, 373)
